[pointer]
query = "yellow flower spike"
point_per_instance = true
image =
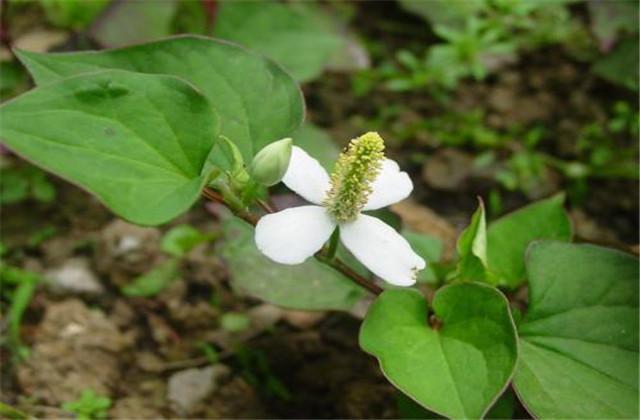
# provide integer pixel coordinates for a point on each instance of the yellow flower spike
(353, 176)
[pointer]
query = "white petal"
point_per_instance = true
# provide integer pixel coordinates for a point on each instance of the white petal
(390, 186)
(291, 236)
(382, 250)
(306, 176)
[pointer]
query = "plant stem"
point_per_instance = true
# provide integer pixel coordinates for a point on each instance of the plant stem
(265, 206)
(333, 243)
(217, 197)
(323, 257)
(339, 265)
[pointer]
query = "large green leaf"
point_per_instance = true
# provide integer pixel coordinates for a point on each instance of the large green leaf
(509, 236)
(294, 35)
(457, 369)
(139, 142)
(256, 100)
(579, 337)
(311, 285)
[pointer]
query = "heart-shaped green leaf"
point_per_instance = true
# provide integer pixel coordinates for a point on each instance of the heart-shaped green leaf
(579, 337)
(509, 236)
(256, 100)
(457, 369)
(310, 285)
(139, 142)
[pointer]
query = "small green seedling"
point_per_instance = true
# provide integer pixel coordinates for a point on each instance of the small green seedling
(181, 239)
(257, 371)
(209, 352)
(12, 413)
(18, 287)
(235, 322)
(177, 242)
(89, 406)
(18, 183)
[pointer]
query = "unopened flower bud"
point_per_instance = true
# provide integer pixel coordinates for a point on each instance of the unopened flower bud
(271, 163)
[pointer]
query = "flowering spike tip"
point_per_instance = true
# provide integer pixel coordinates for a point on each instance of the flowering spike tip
(353, 175)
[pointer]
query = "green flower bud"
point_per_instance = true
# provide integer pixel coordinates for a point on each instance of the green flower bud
(271, 163)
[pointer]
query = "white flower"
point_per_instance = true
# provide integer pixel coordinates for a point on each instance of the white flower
(293, 235)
